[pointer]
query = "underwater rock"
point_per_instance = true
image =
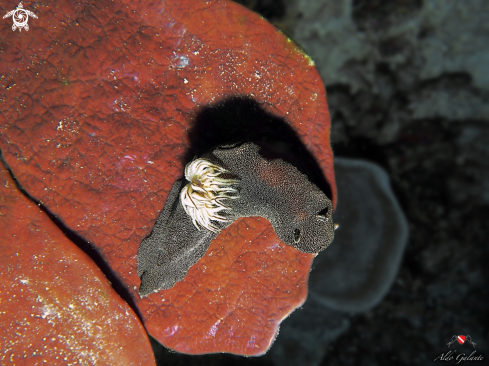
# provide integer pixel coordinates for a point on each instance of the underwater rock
(230, 182)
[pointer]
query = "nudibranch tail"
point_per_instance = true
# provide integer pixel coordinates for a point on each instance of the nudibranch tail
(202, 197)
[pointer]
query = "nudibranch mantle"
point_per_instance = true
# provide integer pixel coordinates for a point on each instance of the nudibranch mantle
(230, 182)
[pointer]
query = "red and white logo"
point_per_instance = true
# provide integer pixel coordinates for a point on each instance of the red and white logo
(461, 339)
(458, 357)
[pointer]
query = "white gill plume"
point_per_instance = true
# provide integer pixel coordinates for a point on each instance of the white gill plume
(202, 197)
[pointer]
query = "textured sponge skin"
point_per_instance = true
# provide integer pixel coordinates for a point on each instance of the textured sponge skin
(300, 213)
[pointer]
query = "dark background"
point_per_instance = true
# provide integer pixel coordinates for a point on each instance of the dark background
(408, 88)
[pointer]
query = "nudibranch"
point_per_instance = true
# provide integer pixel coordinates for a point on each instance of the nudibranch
(230, 182)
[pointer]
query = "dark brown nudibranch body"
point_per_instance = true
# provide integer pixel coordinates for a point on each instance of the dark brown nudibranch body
(225, 184)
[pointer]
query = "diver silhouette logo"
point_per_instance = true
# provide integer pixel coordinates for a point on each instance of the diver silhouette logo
(20, 16)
